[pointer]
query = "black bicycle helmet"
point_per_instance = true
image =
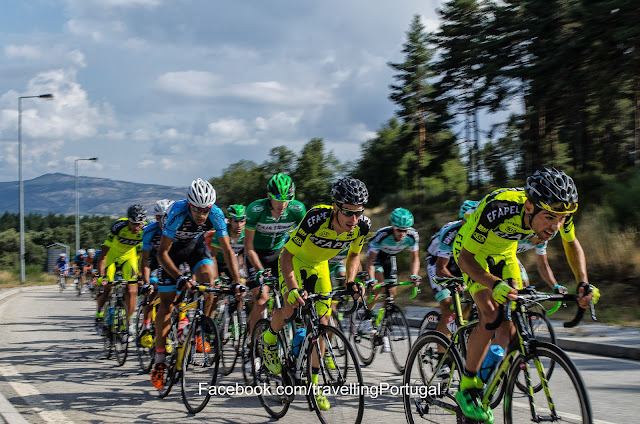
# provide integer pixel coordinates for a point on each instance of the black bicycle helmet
(136, 214)
(552, 190)
(349, 190)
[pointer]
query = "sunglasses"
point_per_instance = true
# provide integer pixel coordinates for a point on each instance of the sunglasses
(238, 219)
(401, 230)
(281, 197)
(200, 210)
(350, 212)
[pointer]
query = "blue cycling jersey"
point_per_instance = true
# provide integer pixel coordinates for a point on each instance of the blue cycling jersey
(151, 238)
(182, 228)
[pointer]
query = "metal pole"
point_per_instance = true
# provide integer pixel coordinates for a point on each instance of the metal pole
(21, 182)
(77, 210)
(21, 189)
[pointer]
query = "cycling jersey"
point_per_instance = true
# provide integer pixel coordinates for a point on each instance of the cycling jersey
(270, 232)
(383, 241)
(493, 230)
(313, 243)
(182, 228)
(336, 262)
(441, 246)
(151, 237)
(525, 245)
(78, 259)
(62, 264)
(121, 240)
(237, 246)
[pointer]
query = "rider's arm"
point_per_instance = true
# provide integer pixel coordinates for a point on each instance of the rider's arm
(352, 266)
(576, 258)
(103, 259)
(164, 259)
(441, 268)
(146, 270)
(286, 268)
(230, 258)
(370, 267)
(251, 253)
(415, 262)
(474, 270)
(545, 271)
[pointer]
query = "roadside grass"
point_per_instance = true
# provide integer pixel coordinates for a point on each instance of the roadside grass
(9, 279)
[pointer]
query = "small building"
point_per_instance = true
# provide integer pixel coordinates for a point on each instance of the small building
(53, 253)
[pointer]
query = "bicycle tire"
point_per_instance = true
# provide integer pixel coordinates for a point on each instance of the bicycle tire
(363, 336)
(198, 364)
(171, 358)
(107, 340)
(146, 355)
(230, 339)
(346, 372)
(397, 329)
(275, 405)
(120, 334)
(542, 330)
(558, 389)
(427, 396)
(429, 322)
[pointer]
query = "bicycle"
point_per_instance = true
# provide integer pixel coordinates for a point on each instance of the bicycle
(231, 319)
(115, 330)
(145, 337)
(430, 393)
(390, 329)
(61, 279)
(192, 357)
(341, 381)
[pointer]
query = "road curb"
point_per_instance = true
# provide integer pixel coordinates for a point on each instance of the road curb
(580, 346)
(7, 411)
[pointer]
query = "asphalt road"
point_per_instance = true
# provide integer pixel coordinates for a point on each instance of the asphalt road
(51, 371)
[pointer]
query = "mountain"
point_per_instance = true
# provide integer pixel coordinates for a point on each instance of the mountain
(55, 193)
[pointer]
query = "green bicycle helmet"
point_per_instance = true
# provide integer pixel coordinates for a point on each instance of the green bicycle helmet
(401, 217)
(236, 212)
(281, 187)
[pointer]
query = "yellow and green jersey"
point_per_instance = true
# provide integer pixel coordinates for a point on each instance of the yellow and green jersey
(121, 241)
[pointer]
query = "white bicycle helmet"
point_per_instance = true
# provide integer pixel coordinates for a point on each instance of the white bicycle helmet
(91, 251)
(201, 194)
(63, 255)
(162, 206)
(81, 252)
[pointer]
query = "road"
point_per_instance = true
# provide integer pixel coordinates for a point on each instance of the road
(51, 371)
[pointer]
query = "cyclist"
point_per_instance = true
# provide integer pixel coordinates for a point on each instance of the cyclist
(87, 266)
(485, 249)
(78, 264)
(149, 263)
(383, 248)
(323, 233)
(269, 220)
(120, 250)
(62, 264)
(544, 269)
(440, 264)
(236, 218)
(183, 241)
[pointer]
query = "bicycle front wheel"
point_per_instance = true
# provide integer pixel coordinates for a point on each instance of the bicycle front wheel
(363, 336)
(429, 322)
(340, 385)
(230, 338)
(399, 338)
(563, 398)
(146, 355)
(542, 330)
(200, 363)
(171, 359)
(431, 379)
(120, 334)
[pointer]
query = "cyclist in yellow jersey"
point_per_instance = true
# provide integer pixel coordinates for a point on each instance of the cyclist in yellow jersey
(323, 233)
(121, 249)
(485, 249)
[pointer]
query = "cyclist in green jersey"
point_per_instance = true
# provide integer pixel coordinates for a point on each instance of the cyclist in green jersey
(121, 249)
(304, 267)
(236, 220)
(269, 221)
(485, 249)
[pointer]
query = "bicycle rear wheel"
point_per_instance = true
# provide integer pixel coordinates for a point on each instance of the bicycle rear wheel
(200, 364)
(171, 374)
(431, 380)
(429, 322)
(272, 398)
(363, 336)
(564, 397)
(399, 338)
(339, 378)
(230, 338)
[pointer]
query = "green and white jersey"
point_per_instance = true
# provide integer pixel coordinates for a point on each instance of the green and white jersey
(270, 233)
(237, 246)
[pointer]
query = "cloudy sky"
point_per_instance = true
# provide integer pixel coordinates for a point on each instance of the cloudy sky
(165, 91)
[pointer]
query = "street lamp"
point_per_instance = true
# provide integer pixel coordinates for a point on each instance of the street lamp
(20, 183)
(78, 203)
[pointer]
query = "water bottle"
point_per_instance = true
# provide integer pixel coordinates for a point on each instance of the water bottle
(181, 326)
(110, 315)
(297, 340)
(491, 360)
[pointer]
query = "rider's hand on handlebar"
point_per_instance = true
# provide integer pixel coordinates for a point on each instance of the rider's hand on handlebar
(560, 289)
(356, 288)
(502, 292)
(296, 297)
(583, 300)
(416, 280)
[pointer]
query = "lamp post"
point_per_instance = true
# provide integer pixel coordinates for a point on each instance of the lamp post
(78, 203)
(20, 182)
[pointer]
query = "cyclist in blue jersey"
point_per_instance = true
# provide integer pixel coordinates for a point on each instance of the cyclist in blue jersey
(62, 264)
(183, 241)
(386, 244)
(78, 263)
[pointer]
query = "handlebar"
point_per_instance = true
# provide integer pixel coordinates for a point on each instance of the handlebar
(394, 283)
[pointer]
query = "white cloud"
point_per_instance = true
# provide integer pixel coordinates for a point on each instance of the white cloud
(23, 51)
(190, 83)
(227, 130)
